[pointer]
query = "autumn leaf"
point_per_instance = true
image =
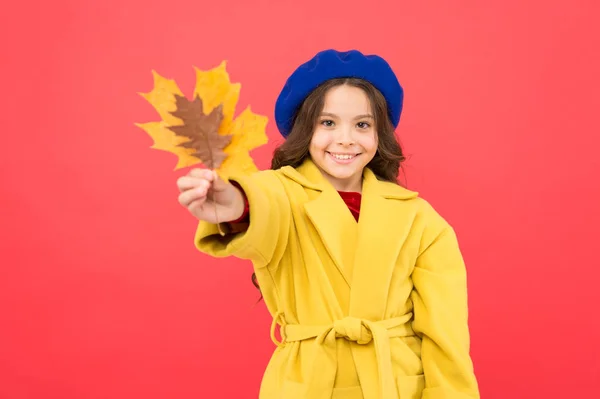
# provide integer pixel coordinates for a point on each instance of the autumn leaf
(204, 130)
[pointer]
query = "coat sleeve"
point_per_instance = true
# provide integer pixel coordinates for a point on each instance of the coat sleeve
(266, 234)
(441, 318)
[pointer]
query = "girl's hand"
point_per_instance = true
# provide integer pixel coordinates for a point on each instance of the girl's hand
(201, 191)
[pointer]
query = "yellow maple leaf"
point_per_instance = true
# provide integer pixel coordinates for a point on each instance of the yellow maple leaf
(213, 88)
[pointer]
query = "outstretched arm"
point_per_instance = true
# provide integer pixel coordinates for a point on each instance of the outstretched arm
(264, 235)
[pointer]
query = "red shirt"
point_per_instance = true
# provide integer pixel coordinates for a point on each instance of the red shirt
(352, 200)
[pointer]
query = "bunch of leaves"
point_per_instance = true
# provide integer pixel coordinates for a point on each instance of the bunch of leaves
(203, 130)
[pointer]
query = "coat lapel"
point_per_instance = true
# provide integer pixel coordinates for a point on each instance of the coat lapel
(329, 215)
(383, 227)
(365, 253)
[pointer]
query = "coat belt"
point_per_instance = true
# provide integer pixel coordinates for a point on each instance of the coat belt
(321, 379)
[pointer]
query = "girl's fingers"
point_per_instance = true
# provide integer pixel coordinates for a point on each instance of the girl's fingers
(206, 174)
(218, 183)
(189, 196)
(187, 183)
(196, 204)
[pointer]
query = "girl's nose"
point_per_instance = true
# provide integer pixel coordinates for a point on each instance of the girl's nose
(345, 136)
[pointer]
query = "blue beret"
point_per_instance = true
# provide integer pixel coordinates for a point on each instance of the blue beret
(331, 64)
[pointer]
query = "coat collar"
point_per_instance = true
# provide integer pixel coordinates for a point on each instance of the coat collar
(382, 225)
(309, 176)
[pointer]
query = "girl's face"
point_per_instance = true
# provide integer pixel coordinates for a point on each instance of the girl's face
(344, 140)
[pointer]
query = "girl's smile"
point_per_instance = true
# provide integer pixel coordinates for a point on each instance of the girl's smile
(342, 158)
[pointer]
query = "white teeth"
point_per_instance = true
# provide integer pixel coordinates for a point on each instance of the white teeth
(344, 157)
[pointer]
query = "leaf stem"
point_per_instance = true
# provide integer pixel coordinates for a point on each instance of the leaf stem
(211, 162)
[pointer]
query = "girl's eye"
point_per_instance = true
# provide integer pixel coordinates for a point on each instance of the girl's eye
(363, 125)
(327, 122)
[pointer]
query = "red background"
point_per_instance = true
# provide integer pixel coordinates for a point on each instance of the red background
(102, 294)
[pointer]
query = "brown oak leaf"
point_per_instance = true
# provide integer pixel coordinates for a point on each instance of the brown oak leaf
(202, 130)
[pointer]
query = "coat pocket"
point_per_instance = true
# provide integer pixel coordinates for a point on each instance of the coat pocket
(411, 386)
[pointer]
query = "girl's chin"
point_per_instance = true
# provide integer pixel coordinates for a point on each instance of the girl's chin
(340, 173)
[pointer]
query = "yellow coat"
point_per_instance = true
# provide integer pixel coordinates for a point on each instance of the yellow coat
(375, 309)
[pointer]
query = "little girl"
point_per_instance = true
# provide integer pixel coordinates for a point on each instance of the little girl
(365, 280)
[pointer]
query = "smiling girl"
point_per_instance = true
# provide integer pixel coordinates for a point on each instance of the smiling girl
(364, 278)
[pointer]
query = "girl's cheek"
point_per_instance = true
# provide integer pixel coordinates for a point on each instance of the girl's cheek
(368, 142)
(320, 139)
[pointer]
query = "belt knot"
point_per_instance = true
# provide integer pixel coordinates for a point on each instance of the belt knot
(352, 329)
